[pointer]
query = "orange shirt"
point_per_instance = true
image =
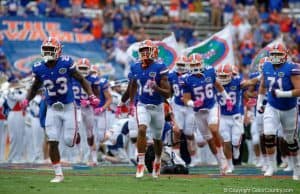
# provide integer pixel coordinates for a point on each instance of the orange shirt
(97, 28)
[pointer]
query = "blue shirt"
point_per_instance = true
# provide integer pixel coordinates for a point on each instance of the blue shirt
(202, 88)
(280, 79)
(233, 89)
(79, 92)
(153, 72)
(56, 80)
(177, 83)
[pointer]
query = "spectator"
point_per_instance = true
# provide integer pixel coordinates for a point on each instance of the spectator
(92, 4)
(131, 38)
(107, 16)
(194, 39)
(145, 11)
(63, 7)
(76, 7)
(253, 16)
(198, 7)
(117, 19)
(13, 7)
(82, 24)
(97, 25)
(285, 23)
(133, 9)
(42, 7)
(184, 10)
(159, 14)
(228, 11)
(174, 10)
(215, 12)
(275, 5)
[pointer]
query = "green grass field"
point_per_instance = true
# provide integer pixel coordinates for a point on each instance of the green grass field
(113, 180)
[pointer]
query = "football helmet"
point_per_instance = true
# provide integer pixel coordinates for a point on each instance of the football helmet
(94, 70)
(147, 50)
(83, 65)
(278, 54)
(51, 49)
(224, 73)
(196, 64)
(181, 64)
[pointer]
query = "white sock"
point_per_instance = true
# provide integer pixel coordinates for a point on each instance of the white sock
(290, 162)
(141, 158)
(272, 160)
(230, 164)
(220, 155)
(157, 159)
(57, 169)
(94, 156)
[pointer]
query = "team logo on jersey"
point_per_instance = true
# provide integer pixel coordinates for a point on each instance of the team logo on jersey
(208, 79)
(280, 74)
(152, 74)
(233, 88)
(62, 70)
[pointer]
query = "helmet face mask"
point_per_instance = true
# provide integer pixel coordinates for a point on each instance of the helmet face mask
(278, 54)
(181, 64)
(83, 66)
(224, 73)
(196, 64)
(148, 52)
(51, 49)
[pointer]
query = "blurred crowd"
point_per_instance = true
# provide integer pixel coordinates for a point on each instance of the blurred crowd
(118, 23)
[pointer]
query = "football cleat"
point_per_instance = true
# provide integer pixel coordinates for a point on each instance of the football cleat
(140, 171)
(57, 179)
(156, 170)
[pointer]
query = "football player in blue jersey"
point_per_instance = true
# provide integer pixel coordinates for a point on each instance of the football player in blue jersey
(183, 115)
(150, 77)
(281, 81)
(102, 112)
(199, 93)
(231, 122)
(83, 66)
(55, 73)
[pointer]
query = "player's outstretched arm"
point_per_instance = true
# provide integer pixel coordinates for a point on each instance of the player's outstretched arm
(84, 83)
(33, 89)
(250, 82)
(164, 87)
(108, 99)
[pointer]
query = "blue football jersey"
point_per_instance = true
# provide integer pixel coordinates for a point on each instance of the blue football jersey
(79, 92)
(233, 89)
(202, 87)
(280, 78)
(56, 80)
(177, 83)
(154, 72)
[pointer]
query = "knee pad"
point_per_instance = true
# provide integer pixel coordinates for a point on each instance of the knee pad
(78, 138)
(293, 147)
(90, 140)
(270, 141)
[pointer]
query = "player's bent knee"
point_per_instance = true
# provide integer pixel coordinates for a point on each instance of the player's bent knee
(70, 140)
(90, 140)
(270, 141)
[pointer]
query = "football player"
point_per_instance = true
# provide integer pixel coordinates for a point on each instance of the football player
(199, 93)
(150, 79)
(55, 73)
(281, 81)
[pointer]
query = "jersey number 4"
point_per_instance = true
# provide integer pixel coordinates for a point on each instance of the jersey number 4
(61, 89)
